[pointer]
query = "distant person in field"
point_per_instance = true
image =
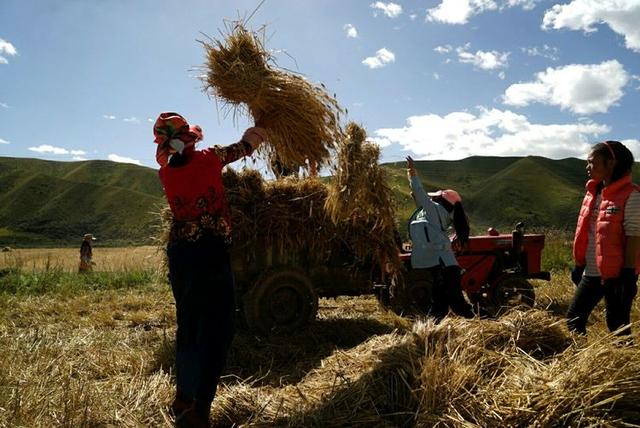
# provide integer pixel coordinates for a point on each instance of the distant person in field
(199, 259)
(432, 252)
(607, 240)
(86, 254)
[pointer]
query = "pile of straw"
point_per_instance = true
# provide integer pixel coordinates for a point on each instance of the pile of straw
(521, 370)
(360, 197)
(302, 120)
(369, 385)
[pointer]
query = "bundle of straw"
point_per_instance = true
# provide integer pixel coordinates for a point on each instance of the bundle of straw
(361, 200)
(302, 120)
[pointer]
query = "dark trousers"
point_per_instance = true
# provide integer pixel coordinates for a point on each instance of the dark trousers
(447, 293)
(202, 283)
(618, 298)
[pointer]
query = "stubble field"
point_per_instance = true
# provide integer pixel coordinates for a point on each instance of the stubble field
(97, 350)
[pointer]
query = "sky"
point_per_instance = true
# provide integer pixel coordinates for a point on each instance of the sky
(434, 79)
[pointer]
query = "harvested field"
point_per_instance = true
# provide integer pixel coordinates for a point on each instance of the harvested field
(105, 358)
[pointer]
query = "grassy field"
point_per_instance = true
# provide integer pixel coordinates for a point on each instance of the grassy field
(97, 351)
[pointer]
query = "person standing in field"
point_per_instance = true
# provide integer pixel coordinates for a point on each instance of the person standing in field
(607, 240)
(86, 254)
(432, 253)
(199, 259)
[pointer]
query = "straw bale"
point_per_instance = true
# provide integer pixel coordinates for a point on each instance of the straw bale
(301, 119)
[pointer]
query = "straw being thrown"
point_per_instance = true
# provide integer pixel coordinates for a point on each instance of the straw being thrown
(302, 120)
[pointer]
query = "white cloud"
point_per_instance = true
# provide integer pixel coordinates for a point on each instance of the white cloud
(79, 158)
(382, 58)
(2, 141)
(545, 51)
(459, 11)
(443, 49)
(436, 76)
(485, 60)
(634, 146)
(4, 105)
(582, 89)
(352, 32)
(413, 16)
(622, 16)
(123, 159)
(502, 75)
(131, 120)
(490, 132)
(6, 48)
(109, 116)
(391, 10)
(46, 148)
(525, 4)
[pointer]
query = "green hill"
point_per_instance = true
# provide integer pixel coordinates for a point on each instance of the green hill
(55, 203)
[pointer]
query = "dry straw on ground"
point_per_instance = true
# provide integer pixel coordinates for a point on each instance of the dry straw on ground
(302, 120)
(522, 370)
(105, 358)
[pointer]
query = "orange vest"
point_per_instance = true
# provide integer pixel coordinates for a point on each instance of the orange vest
(610, 237)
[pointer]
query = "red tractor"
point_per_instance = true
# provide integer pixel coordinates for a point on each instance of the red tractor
(496, 269)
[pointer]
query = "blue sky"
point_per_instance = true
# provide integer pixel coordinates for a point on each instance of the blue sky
(438, 79)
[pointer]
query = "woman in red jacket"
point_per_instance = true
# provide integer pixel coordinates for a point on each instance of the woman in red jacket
(607, 240)
(199, 262)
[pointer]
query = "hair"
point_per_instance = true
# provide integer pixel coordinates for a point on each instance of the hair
(615, 150)
(460, 220)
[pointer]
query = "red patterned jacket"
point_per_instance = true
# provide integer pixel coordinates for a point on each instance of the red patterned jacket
(196, 194)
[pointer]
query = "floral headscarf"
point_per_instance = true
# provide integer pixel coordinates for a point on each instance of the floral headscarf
(172, 132)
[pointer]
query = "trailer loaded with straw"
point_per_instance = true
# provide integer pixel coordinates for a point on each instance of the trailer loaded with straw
(297, 239)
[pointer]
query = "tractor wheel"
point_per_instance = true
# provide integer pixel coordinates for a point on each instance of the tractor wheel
(511, 292)
(411, 293)
(280, 301)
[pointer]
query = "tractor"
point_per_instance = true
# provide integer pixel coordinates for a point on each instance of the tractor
(496, 269)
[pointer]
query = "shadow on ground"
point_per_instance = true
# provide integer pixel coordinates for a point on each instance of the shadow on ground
(282, 359)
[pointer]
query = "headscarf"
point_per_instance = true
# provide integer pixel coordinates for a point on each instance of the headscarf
(172, 133)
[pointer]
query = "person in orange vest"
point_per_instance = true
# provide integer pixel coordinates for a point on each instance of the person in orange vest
(199, 258)
(607, 240)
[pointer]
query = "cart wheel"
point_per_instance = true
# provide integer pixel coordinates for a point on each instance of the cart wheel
(411, 293)
(281, 301)
(512, 291)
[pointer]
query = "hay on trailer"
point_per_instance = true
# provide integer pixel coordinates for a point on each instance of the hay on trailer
(288, 216)
(301, 119)
(361, 200)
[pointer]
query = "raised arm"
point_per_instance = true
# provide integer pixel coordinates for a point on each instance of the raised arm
(419, 194)
(250, 141)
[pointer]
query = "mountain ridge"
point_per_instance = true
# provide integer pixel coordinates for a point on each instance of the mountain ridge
(54, 203)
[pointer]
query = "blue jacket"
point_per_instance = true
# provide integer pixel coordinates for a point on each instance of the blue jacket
(428, 231)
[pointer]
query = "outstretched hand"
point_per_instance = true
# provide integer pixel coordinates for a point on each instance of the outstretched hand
(411, 169)
(255, 136)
